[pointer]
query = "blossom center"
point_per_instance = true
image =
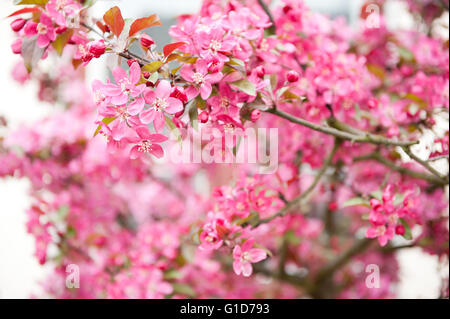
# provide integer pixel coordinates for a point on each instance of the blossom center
(160, 103)
(246, 256)
(198, 78)
(215, 45)
(41, 28)
(145, 146)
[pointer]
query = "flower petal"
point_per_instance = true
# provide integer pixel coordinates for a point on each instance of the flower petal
(147, 116)
(163, 89)
(175, 105)
(157, 151)
(135, 73)
(136, 106)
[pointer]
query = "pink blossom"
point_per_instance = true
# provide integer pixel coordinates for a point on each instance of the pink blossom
(147, 143)
(126, 85)
(160, 102)
(245, 256)
(201, 81)
(44, 29)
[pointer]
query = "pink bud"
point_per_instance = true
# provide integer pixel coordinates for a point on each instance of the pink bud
(97, 48)
(203, 117)
(18, 24)
(146, 74)
(178, 93)
(372, 104)
(146, 41)
(61, 29)
(131, 61)
(255, 115)
(400, 230)
(16, 46)
(292, 76)
(260, 71)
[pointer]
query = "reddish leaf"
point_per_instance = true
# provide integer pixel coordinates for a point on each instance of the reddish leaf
(114, 20)
(102, 27)
(144, 23)
(24, 10)
(168, 49)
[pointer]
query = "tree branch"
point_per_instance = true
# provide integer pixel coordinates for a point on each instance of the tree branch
(307, 192)
(403, 170)
(362, 138)
(425, 164)
(266, 9)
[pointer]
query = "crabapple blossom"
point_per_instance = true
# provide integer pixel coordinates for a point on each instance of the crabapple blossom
(349, 104)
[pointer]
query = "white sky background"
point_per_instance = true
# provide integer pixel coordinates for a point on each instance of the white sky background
(19, 270)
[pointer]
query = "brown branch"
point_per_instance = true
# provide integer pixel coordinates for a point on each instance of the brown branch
(266, 9)
(403, 170)
(425, 164)
(361, 138)
(307, 192)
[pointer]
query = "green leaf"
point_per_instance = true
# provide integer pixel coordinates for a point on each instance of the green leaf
(408, 234)
(193, 115)
(245, 86)
(172, 274)
(356, 201)
(105, 120)
(377, 194)
(174, 129)
(183, 289)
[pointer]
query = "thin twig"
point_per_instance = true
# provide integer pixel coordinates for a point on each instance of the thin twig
(362, 138)
(307, 192)
(269, 14)
(403, 170)
(425, 164)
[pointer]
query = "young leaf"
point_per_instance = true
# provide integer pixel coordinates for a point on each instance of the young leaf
(144, 23)
(407, 235)
(31, 53)
(245, 86)
(168, 49)
(173, 129)
(152, 67)
(105, 120)
(114, 20)
(356, 201)
(24, 10)
(38, 2)
(62, 40)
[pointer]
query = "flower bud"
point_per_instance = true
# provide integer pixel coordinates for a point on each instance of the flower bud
(16, 46)
(18, 24)
(255, 115)
(178, 93)
(260, 71)
(372, 104)
(146, 41)
(203, 117)
(97, 48)
(131, 61)
(292, 76)
(60, 29)
(400, 230)
(146, 74)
